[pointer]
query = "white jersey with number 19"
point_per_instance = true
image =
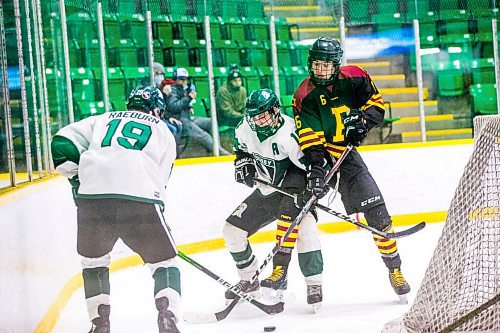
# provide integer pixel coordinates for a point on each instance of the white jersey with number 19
(125, 154)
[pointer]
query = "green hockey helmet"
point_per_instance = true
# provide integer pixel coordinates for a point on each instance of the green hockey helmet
(148, 99)
(328, 50)
(263, 111)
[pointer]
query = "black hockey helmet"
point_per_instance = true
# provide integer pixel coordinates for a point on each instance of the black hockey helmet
(148, 99)
(263, 111)
(325, 49)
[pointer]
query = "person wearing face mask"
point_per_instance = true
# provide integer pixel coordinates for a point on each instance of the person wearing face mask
(165, 86)
(179, 106)
(230, 99)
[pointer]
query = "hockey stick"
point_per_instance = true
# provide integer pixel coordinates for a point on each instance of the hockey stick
(269, 309)
(221, 315)
(346, 218)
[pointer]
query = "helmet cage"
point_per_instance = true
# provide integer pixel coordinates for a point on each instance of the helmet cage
(329, 50)
(265, 122)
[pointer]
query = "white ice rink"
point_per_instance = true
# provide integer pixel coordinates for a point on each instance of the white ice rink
(357, 294)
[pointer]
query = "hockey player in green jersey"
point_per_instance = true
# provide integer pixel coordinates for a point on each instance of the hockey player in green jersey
(336, 106)
(266, 146)
(122, 161)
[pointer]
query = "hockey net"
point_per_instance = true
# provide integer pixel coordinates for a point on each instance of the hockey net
(461, 287)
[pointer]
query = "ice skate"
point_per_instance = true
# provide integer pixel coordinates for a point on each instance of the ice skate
(275, 284)
(101, 323)
(315, 296)
(166, 319)
(250, 288)
(399, 284)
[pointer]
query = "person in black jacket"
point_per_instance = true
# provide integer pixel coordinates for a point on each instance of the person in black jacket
(179, 106)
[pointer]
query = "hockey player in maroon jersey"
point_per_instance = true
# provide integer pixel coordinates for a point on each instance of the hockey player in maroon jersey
(333, 107)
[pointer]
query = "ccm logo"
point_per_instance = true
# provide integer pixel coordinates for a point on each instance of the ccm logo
(369, 201)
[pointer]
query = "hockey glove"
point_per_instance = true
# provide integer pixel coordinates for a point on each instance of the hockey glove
(245, 171)
(316, 181)
(355, 128)
(302, 198)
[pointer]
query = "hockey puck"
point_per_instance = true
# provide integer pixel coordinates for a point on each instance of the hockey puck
(269, 328)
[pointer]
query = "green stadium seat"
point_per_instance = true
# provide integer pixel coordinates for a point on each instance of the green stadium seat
(199, 77)
(90, 54)
(116, 84)
(134, 76)
(227, 52)
(428, 35)
(215, 29)
(75, 55)
(220, 76)
(457, 39)
(286, 52)
(294, 75)
(253, 53)
(236, 29)
(198, 53)
(286, 105)
(251, 79)
(112, 29)
(158, 50)
(86, 109)
(298, 53)
(483, 71)
(282, 29)
(199, 108)
(82, 84)
(134, 27)
(451, 83)
(81, 26)
(175, 53)
(162, 28)
(185, 27)
(125, 54)
(267, 79)
(256, 29)
(484, 99)
(53, 79)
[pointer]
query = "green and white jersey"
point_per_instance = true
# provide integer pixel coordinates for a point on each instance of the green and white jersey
(125, 154)
(273, 154)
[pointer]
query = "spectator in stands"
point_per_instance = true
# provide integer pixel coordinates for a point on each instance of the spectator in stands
(165, 85)
(179, 106)
(230, 99)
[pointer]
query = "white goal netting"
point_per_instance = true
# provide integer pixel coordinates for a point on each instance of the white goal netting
(461, 287)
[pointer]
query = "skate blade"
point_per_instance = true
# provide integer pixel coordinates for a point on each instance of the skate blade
(316, 307)
(272, 295)
(403, 299)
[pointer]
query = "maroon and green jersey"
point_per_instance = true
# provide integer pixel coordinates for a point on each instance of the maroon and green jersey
(319, 110)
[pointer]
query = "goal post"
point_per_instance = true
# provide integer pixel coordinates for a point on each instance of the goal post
(459, 292)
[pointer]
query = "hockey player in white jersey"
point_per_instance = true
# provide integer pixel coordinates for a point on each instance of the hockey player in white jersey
(122, 161)
(266, 146)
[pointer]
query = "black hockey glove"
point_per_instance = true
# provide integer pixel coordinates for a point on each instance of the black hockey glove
(355, 128)
(316, 181)
(244, 171)
(301, 198)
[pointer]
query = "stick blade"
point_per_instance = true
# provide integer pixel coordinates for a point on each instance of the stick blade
(199, 318)
(408, 231)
